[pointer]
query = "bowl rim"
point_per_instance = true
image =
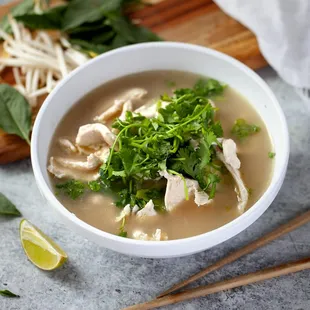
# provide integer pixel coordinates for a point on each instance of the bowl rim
(71, 217)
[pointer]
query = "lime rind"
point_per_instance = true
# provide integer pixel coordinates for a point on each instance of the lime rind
(39, 248)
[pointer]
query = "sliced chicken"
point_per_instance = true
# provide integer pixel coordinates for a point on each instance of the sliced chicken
(175, 191)
(125, 212)
(111, 112)
(147, 111)
(139, 235)
(91, 163)
(103, 154)
(94, 134)
(150, 111)
(87, 150)
(232, 164)
(201, 198)
(135, 209)
(67, 146)
(157, 236)
(148, 210)
(132, 95)
(230, 153)
(126, 107)
(60, 171)
(212, 103)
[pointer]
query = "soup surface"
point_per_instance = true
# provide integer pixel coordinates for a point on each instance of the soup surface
(187, 219)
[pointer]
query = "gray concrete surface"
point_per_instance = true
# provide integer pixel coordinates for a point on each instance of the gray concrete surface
(96, 278)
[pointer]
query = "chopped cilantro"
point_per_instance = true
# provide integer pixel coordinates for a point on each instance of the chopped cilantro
(271, 155)
(94, 186)
(242, 130)
(145, 146)
(123, 234)
(170, 83)
(72, 188)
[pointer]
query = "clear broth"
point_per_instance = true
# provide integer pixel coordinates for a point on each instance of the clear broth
(187, 219)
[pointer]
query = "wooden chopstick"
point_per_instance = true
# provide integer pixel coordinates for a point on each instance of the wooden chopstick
(226, 284)
(283, 229)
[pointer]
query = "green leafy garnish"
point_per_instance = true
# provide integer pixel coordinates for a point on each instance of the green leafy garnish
(7, 207)
(170, 83)
(24, 7)
(15, 112)
(93, 27)
(242, 130)
(271, 155)
(146, 146)
(49, 19)
(7, 293)
(122, 232)
(72, 188)
(94, 186)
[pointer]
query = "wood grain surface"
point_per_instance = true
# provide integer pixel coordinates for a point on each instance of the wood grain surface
(193, 21)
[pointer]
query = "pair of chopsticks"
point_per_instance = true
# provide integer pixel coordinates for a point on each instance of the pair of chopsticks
(166, 299)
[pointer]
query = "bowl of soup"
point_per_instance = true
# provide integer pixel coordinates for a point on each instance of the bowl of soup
(160, 149)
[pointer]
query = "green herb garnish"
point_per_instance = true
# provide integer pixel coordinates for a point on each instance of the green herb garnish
(94, 186)
(15, 112)
(170, 83)
(7, 207)
(271, 155)
(93, 27)
(242, 130)
(7, 293)
(146, 146)
(72, 188)
(48, 19)
(24, 7)
(122, 232)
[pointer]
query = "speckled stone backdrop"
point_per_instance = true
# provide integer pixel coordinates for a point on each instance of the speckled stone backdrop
(96, 278)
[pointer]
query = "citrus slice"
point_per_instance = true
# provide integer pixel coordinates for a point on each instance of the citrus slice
(40, 249)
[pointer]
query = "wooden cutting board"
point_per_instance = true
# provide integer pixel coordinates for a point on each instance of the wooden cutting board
(193, 21)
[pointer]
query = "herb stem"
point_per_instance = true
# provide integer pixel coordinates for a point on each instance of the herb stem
(188, 121)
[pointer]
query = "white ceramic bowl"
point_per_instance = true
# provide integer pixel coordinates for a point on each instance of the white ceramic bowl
(159, 56)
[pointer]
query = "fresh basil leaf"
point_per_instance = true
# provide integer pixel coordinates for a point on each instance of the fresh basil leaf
(118, 41)
(49, 19)
(87, 47)
(24, 7)
(87, 28)
(7, 293)
(81, 11)
(143, 34)
(104, 36)
(121, 25)
(15, 112)
(7, 207)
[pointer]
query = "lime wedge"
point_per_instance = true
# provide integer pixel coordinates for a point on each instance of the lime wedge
(40, 249)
